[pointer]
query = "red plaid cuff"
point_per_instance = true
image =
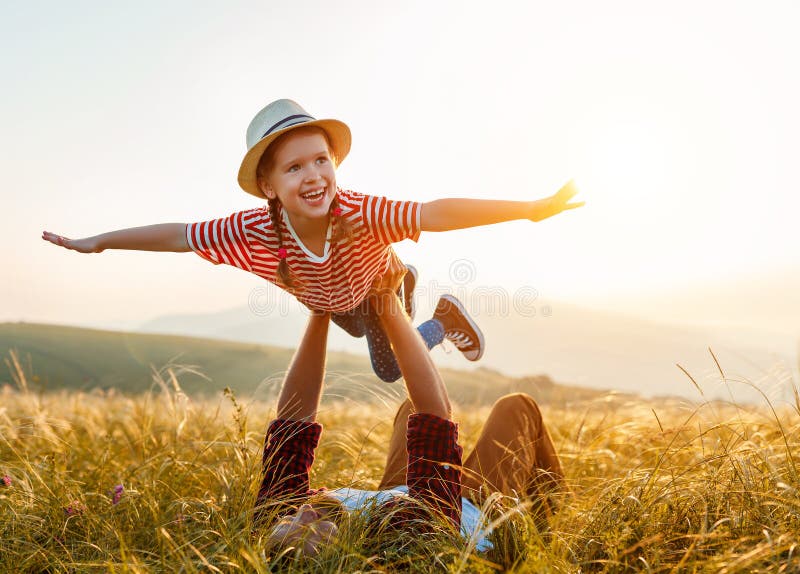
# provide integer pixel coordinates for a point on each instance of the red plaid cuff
(434, 464)
(288, 456)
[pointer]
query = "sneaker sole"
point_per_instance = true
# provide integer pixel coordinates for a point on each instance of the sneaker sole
(409, 284)
(481, 342)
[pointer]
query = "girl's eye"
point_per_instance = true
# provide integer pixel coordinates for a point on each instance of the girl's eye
(322, 160)
(295, 167)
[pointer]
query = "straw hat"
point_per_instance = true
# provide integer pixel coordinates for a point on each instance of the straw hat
(278, 118)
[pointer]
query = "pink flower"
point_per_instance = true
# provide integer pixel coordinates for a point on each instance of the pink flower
(5, 481)
(118, 490)
(337, 211)
(282, 253)
(74, 508)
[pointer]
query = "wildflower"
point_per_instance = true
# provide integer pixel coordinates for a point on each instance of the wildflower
(281, 253)
(337, 211)
(5, 481)
(117, 496)
(74, 508)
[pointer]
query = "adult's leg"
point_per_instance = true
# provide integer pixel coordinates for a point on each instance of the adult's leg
(514, 454)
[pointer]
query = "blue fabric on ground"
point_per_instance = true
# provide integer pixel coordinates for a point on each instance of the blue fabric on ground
(473, 523)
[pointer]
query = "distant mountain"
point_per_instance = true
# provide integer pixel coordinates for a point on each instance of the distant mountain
(753, 310)
(240, 324)
(57, 357)
(595, 349)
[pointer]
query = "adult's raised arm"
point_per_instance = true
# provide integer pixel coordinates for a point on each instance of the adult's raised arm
(434, 455)
(293, 436)
(302, 385)
(426, 389)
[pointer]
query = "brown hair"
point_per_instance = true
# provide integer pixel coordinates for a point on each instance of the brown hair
(341, 227)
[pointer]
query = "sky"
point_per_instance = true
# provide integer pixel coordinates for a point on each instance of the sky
(678, 120)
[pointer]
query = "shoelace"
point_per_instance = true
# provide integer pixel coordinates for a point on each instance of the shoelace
(459, 338)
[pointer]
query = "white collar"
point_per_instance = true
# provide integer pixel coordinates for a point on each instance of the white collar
(326, 251)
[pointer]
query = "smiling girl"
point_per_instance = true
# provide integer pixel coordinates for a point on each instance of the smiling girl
(329, 247)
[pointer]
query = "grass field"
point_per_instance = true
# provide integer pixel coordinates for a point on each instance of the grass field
(161, 482)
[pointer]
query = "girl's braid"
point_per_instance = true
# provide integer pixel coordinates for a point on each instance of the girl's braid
(341, 227)
(283, 267)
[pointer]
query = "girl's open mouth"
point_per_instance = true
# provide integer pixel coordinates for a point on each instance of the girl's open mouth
(315, 196)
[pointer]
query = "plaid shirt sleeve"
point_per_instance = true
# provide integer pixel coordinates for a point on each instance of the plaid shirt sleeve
(434, 465)
(288, 456)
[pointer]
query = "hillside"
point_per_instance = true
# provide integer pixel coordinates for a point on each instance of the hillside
(58, 357)
(590, 347)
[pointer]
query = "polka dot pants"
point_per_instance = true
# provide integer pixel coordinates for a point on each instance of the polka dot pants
(364, 320)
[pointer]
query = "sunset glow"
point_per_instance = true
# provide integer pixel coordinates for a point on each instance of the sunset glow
(684, 150)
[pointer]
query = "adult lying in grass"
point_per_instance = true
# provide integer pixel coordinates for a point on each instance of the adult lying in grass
(425, 485)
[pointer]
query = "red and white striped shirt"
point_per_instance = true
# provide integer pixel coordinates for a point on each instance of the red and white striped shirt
(336, 281)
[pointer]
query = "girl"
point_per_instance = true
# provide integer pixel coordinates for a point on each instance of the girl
(329, 247)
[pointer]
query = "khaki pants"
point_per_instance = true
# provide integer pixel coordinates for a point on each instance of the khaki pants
(514, 454)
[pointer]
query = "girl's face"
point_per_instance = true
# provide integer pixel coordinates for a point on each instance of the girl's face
(301, 175)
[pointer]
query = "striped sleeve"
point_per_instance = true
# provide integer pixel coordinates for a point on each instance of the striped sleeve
(222, 241)
(391, 220)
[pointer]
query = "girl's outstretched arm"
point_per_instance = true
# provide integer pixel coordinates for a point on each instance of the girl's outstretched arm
(160, 237)
(449, 214)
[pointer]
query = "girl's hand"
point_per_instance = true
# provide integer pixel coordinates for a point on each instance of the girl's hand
(86, 245)
(557, 203)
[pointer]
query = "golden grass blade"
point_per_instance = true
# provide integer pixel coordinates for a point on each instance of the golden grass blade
(716, 361)
(691, 378)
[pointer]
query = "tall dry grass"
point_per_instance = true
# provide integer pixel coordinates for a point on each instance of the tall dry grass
(102, 482)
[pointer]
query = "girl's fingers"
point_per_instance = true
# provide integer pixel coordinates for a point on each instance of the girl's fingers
(574, 205)
(567, 191)
(566, 194)
(55, 239)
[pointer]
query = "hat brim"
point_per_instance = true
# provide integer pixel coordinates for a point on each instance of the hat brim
(338, 134)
